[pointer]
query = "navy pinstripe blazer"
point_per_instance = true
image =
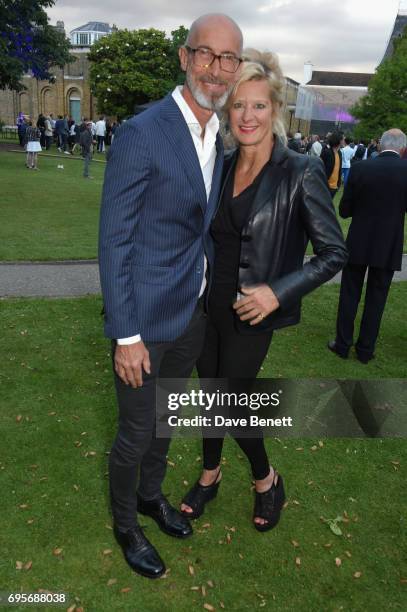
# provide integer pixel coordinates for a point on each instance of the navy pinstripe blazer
(154, 226)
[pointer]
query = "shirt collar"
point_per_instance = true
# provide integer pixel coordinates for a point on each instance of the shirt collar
(213, 124)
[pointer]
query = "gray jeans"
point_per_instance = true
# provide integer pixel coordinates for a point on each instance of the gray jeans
(87, 158)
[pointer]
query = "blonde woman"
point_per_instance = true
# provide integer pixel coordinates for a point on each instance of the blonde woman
(273, 201)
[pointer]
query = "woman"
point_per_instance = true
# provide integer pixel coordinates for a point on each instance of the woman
(32, 139)
(273, 201)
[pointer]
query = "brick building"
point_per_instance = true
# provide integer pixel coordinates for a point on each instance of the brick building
(69, 94)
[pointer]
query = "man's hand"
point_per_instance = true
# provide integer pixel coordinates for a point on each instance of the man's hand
(259, 302)
(129, 362)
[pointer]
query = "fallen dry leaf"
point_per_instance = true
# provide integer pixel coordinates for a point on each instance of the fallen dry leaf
(108, 551)
(320, 444)
(23, 506)
(57, 552)
(294, 543)
(357, 574)
(241, 556)
(19, 418)
(19, 565)
(206, 525)
(125, 590)
(314, 448)
(111, 581)
(30, 521)
(348, 554)
(297, 561)
(71, 608)
(203, 590)
(28, 565)
(185, 483)
(191, 570)
(338, 561)
(222, 605)
(209, 607)
(328, 545)
(170, 463)
(194, 588)
(210, 584)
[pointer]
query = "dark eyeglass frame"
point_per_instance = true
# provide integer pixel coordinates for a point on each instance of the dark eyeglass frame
(220, 57)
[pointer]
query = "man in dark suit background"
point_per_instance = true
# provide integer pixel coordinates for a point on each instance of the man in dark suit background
(375, 197)
(160, 193)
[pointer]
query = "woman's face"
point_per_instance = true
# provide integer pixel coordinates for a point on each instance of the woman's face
(250, 115)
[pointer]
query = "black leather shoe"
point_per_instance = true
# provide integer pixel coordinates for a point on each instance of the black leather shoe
(364, 358)
(139, 553)
(169, 520)
(334, 348)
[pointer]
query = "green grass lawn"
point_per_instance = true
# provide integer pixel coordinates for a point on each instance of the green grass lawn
(58, 418)
(49, 214)
(53, 213)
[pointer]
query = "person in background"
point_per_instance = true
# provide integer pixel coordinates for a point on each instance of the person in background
(86, 142)
(332, 158)
(100, 134)
(48, 133)
(41, 127)
(295, 143)
(347, 153)
(316, 146)
(20, 121)
(375, 197)
(33, 146)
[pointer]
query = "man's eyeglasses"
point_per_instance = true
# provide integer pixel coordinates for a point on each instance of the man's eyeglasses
(204, 58)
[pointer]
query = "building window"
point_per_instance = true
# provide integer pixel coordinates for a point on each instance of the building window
(83, 39)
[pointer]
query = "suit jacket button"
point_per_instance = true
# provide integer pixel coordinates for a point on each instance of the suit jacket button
(244, 264)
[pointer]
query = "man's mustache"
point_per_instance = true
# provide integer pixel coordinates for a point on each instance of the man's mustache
(208, 79)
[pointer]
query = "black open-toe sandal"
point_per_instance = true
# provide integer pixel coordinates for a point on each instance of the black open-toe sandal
(268, 505)
(198, 496)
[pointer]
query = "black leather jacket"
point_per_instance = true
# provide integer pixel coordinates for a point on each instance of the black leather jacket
(292, 205)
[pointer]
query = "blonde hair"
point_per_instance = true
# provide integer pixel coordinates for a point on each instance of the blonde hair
(264, 66)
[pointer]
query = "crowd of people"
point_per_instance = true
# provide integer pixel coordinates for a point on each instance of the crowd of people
(66, 135)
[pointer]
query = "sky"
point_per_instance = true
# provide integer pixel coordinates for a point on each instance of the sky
(340, 35)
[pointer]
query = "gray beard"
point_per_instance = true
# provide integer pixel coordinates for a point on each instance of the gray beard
(208, 103)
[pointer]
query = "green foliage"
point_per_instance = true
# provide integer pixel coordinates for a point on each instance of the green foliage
(29, 43)
(385, 105)
(131, 68)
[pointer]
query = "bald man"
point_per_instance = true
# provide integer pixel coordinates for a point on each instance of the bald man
(375, 197)
(160, 193)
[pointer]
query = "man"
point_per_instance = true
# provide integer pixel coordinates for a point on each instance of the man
(347, 153)
(86, 142)
(376, 198)
(316, 147)
(295, 143)
(160, 194)
(100, 134)
(332, 158)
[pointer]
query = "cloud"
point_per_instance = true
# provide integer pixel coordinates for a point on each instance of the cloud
(332, 34)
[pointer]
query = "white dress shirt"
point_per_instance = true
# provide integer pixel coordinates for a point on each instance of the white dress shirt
(347, 154)
(206, 151)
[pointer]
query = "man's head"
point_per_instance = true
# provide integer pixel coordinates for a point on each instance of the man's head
(393, 140)
(347, 140)
(335, 140)
(210, 78)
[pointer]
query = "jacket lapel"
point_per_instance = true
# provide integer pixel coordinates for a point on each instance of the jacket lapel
(271, 181)
(216, 179)
(176, 130)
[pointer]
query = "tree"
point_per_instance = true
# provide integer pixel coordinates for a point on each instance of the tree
(29, 43)
(385, 105)
(131, 68)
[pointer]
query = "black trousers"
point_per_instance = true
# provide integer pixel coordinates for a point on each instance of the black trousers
(138, 460)
(100, 140)
(377, 289)
(228, 354)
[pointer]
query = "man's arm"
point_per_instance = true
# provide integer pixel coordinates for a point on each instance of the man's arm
(126, 179)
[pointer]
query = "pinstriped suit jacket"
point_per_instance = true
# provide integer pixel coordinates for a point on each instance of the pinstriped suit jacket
(154, 226)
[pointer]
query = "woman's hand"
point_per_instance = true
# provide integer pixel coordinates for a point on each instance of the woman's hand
(259, 302)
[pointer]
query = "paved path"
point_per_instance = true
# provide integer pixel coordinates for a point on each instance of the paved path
(71, 278)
